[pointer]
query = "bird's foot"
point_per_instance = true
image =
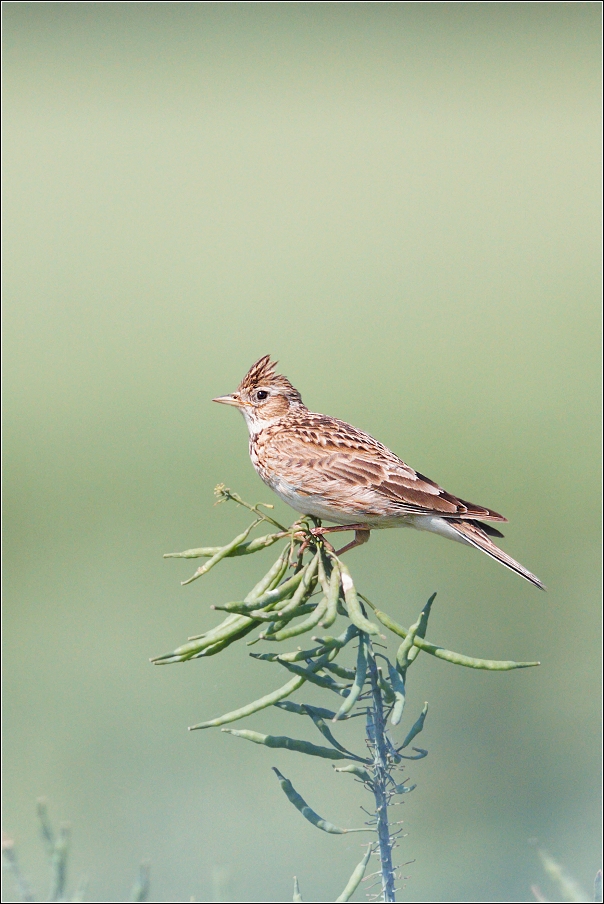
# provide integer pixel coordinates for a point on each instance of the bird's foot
(362, 532)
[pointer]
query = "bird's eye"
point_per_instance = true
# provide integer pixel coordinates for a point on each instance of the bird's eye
(261, 395)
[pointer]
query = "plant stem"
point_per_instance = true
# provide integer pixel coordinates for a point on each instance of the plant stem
(376, 735)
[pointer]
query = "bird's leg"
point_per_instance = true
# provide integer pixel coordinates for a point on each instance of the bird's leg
(360, 537)
(362, 533)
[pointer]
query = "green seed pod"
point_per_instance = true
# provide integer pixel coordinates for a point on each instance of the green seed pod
(305, 588)
(398, 688)
(352, 603)
(268, 598)
(282, 741)
(385, 688)
(356, 877)
(225, 630)
(361, 773)
(301, 627)
(322, 727)
(420, 627)
(470, 662)
(297, 895)
(341, 671)
(244, 549)
(300, 804)
(329, 641)
(415, 728)
(221, 645)
(305, 709)
(359, 680)
(248, 709)
(309, 673)
(223, 553)
(333, 596)
(271, 578)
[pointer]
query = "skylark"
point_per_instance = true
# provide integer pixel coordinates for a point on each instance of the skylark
(328, 469)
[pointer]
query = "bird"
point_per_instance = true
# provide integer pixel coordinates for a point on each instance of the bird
(327, 469)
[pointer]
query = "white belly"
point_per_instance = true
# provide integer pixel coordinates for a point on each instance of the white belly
(319, 508)
(316, 506)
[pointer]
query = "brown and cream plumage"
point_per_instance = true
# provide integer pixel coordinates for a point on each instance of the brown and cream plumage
(326, 468)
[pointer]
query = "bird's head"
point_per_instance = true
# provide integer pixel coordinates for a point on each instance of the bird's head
(263, 396)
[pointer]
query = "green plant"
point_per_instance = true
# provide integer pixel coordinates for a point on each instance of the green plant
(57, 850)
(281, 607)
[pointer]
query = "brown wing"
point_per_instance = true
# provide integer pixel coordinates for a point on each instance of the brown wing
(324, 457)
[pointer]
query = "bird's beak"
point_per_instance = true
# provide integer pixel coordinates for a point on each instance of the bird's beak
(232, 399)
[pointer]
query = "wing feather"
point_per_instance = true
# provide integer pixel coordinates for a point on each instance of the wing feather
(327, 458)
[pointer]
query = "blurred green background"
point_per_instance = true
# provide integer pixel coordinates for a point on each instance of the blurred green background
(400, 202)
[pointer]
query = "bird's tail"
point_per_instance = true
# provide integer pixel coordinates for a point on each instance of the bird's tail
(473, 533)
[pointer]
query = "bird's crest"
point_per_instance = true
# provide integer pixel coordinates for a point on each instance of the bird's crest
(262, 373)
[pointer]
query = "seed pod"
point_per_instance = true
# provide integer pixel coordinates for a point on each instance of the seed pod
(305, 709)
(416, 727)
(470, 662)
(356, 877)
(361, 773)
(421, 626)
(398, 688)
(300, 804)
(341, 671)
(244, 549)
(329, 641)
(271, 578)
(406, 652)
(333, 595)
(301, 627)
(352, 603)
(269, 597)
(309, 673)
(359, 679)
(305, 588)
(297, 894)
(282, 741)
(226, 630)
(249, 708)
(223, 553)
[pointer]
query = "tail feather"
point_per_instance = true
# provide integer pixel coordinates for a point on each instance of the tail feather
(475, 535)
(488, 529)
